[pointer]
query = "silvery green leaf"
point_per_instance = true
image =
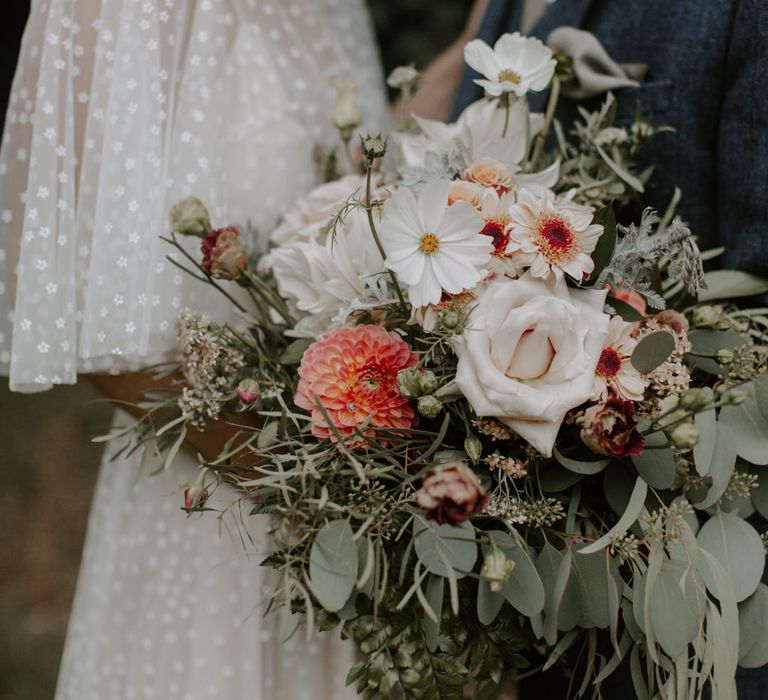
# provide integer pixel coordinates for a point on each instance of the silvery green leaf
(750, 428)
(562, 607)
(268, 434)
(761, 394)
(675, 619)
(523, 589)
(367, 564)
(729, 284)
(657, 463)
(295, 351)
(738, 548)
(434, 599)
(708, 342)
(333, 565)
(441, 546)
(652, 351)
(704, 448)
(488, 603)
(721, 466)
(753, 629)
(594, 578)
(628, 517)
(760, 494)
(622, 173)
(581, 466)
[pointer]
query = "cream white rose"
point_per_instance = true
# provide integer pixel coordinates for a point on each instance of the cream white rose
(529, 354)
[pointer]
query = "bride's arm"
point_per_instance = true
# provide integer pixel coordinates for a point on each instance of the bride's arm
(441, 78)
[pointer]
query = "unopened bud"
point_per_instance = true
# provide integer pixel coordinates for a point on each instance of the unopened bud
(473, 447)
(190, 217)
(196, 494)
(694, 400)
(346, 112)
(248, 391)
(408, 382)
(724, 356)
(429, 406)
(737, 397)
(428, 383)
(374, 147)
(497, 569)
(403, 77)
(451, 319)
(685, 436)
(707, 316)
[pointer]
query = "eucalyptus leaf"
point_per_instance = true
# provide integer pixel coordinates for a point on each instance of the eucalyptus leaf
(703, 451)
(708, 342)
(594, 577)
(652, 351)
(729, 284)
(523, 589)
(749, 426)
(488, 603)
(295, 351)
(738, 548)
(753, 629)
(722, 465)
(674, 617)
(434, 597)
(628, 517)
(761, 394)
(581, 466)
(554, 478)
(657, 463)
(333, 565)
(268, 434)
(562, 607)
(440, 546)
(621, 172)
(760, 494)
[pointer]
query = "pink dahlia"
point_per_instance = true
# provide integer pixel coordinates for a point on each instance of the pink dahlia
(352, 372)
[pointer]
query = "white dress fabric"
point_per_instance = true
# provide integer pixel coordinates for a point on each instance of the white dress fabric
(120, 108)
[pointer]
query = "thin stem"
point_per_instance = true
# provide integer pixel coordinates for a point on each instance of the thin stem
(506, 115)
(377, 240)
(541, 137)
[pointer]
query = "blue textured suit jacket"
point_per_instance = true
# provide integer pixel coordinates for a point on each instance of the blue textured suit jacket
(707, 78)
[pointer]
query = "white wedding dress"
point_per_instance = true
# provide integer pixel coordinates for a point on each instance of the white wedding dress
(120, 108)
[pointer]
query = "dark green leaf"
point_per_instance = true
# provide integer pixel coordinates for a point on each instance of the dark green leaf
(523, 589)
(749, 426)
(628, 312)
(657, 464)
(753, 629)
(580, 466)
(606, 244)
(652, 351)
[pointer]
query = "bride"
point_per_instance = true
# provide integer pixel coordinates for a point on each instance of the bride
(120, 108)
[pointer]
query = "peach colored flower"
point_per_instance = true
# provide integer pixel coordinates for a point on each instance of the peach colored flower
(615, 372)
(352, 373)
(462, 191)
(488, 172)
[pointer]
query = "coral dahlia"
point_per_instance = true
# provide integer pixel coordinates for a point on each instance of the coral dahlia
(352, 373)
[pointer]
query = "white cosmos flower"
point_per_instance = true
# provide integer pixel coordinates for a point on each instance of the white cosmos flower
(551, 236)
(433, 247)
(516, 64)
(615, 372)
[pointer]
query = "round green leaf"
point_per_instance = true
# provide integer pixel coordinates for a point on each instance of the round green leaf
(760, 494)
(488, 603)
(554, 478)
(674, 617)
(738, 547)
(750, 428)
(753, 629)
(441, 546)
(708, 342)
(580, 466)
(721, 466)
(652, 351)
(657, 463)
(333, 565)
(523, 589)
(702, 452)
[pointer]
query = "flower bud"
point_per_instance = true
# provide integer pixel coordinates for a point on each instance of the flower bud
(374, 147)
(195, 494)
(473, 447)
(248, 391)
(224, 255)
(428, 382)
(451, 319)
(724, 356)
(450, 494)
(685, 436)
(429, 406)
(738, 397)
(403, 77)
(497, 569)
(408, 382)
(190, 217)
(694, 400)
(707, 315)
(346, 112)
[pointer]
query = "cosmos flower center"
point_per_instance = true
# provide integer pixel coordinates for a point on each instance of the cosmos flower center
(555, 237)
(429, 243)
(497, 230)
(609, 364)
(510, 76)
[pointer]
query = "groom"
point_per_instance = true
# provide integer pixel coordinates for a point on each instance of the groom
(707, 77)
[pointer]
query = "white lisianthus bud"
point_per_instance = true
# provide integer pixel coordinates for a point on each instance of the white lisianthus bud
(428, 382)
(695, 399)
(685, 436)
(190, 217)
(429, 406)
(403, 77)
(346, 112)
(497, 569)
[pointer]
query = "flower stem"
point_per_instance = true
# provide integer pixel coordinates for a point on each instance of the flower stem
(541, 137)
(506, 115)
(377, 240)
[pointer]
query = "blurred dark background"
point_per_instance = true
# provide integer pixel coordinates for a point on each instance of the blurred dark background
(49, 465)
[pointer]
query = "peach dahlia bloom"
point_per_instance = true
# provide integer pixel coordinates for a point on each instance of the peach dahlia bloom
(352, 372)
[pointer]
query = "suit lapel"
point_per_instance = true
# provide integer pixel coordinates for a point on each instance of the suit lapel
(561, 13)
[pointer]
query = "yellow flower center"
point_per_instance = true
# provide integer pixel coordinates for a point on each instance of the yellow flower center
(429, 243)
(510, 76)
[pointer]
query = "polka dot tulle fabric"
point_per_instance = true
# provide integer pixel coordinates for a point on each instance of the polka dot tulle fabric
(118, 109)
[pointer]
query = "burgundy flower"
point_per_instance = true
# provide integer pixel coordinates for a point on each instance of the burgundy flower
(610, 429)
(224, 254)
(451, 494)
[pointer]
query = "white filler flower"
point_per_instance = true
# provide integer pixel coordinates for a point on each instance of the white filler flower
(547, 235)
(433, 247)
(516, 64)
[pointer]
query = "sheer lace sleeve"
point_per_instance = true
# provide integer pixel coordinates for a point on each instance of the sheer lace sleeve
(120, 107)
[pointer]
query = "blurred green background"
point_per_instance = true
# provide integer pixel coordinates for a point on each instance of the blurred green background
(50, 466)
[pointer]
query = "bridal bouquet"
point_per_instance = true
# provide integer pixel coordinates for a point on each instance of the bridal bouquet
(494, 429)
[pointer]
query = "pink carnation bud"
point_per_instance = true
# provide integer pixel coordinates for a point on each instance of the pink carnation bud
(610, 429)
(451, 494)
(248, 391)
(224, 255)
(195, 494)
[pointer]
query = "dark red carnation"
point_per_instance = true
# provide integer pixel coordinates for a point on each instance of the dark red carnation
(450, 494)
(224, 255)
(610, 429)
